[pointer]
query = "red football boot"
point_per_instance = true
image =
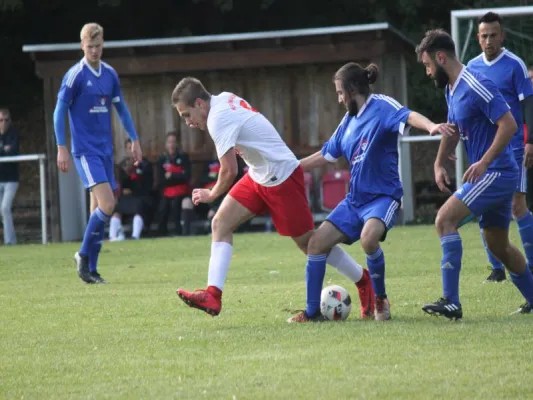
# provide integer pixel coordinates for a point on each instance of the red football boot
(366, 295)
(208, 300)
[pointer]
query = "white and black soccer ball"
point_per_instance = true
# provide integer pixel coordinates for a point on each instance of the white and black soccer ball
(335, 303)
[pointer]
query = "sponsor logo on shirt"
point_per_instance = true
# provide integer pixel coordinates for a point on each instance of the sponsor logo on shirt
(359, 154)
(101, 107)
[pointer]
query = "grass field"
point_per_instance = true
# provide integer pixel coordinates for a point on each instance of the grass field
(135, 339)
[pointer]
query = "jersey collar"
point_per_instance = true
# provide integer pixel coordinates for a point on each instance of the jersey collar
(94, 72)
(362, 110)
(459, 77)
(500, 56)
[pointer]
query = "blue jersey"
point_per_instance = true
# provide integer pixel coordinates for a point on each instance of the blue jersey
(369, 142)
(89, 94)
(474, 105)
(510, 75)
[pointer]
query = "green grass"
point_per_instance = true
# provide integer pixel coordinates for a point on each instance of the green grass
(135, 339)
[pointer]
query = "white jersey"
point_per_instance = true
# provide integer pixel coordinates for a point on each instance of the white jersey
(233, 123)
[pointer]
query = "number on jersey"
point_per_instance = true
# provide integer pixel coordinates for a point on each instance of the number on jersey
(242, 104)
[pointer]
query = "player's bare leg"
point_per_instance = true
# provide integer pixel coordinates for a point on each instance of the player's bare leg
(103, 201)
(229, 216)
(326, 240)
(498, 243)
(372, 232)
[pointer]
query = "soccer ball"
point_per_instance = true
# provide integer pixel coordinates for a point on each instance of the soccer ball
(335, 303)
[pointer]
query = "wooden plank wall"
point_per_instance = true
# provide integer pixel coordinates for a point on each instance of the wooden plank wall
(299, 101)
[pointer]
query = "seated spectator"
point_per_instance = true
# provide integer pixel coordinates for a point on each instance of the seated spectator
(173, 176)
(9, 175)
(135, 198)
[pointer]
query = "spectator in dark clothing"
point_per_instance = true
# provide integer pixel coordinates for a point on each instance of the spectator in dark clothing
(173, 176)
(136, 183)
(9, 175)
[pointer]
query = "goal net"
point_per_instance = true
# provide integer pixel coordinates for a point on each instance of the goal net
(517, 25)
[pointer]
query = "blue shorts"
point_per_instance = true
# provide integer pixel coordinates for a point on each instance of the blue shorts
(521, 187)
(490, 198)
(96, 169)
(350, 219)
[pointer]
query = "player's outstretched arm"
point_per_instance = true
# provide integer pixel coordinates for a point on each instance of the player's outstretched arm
(226, 177)
(63, 157)
(315, 160)
(417, 120)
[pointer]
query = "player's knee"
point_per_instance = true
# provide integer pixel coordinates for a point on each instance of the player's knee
(316, 245)
(369, 243)
(107, 206)
(444, 224)
(186, 204)
(219, 226)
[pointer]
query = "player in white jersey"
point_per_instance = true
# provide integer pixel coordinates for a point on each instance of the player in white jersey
(274, 183)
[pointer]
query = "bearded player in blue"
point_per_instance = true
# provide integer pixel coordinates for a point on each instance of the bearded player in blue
(486, 126)
(367, 138)
(510, 75)
(86, 93)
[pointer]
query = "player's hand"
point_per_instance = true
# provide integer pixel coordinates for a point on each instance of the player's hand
(476, 171)
(442, 179)
(444, 129)
(126, 192)
(137, 152)
(528, 155)
(63, 159)
(201, 196)
(168, 175)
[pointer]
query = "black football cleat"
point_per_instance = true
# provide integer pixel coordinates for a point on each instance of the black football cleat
(443, 307)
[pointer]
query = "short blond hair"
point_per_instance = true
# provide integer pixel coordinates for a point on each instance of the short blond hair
(91, 31)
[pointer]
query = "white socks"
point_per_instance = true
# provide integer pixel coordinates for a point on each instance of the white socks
(219, 264)
(115, 226)
(345, 264)
(138, 224)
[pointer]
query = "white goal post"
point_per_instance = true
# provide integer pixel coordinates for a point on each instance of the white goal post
(456, 17)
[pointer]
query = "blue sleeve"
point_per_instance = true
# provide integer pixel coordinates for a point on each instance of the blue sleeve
(489, 100)
(521, 81)
(397, 118)
(122, 108)
(125, 118)
(69, 85)
(59, 122)
(332, 149)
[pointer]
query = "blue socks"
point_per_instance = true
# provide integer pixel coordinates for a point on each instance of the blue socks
(450, 267)
(494, 262)
(314, 276)
(94, 233)
(376, 267)
(525, 227)
(95, 250)
(524, 283)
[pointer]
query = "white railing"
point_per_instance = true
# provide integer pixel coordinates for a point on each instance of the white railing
(42, 178)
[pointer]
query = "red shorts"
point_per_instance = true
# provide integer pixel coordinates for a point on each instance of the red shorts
(287, 202)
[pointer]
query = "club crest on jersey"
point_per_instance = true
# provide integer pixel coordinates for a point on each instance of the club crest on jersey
(359, 154)
(463, 135)
(101, 107)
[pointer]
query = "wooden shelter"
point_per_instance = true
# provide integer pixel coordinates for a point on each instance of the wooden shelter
(286, 75)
